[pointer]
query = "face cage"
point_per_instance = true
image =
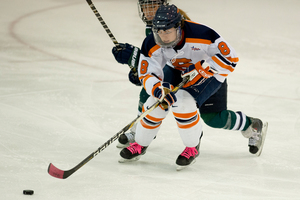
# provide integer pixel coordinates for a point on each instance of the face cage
(142, 14)
(170, 44)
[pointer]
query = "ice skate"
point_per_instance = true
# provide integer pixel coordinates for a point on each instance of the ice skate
(256, 133)
(125, 139)
(132, 153)
(188, 156)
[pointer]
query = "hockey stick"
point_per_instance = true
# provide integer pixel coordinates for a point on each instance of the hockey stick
(112, 37)
(63, 174)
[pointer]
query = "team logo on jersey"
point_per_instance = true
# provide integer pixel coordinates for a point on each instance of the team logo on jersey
(179, 53)
(182, 63)
(195, 48)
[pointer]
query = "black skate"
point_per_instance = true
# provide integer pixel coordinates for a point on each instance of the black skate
(132, 153)
(188, 156)
(125, 139)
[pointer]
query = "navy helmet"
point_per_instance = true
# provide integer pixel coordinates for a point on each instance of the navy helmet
(167, 17)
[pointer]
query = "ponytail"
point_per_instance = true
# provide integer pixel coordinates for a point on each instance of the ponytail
(185, 16)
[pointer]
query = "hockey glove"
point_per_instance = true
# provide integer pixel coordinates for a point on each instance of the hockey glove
(163, 92)
(126, 54)
(197, 73)
(134, 78)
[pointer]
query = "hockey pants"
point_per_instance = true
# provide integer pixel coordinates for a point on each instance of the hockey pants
(186, 114)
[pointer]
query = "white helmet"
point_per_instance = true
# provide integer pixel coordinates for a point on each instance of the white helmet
(147, 9)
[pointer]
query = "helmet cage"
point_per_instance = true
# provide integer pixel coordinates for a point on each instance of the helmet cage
(150, 4)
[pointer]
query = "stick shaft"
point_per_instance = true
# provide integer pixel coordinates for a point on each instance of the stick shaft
(63, 174)
(108, 31)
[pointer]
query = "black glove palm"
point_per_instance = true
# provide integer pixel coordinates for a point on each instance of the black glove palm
(134, 78)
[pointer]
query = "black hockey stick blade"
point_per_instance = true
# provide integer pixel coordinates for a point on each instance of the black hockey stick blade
(58, 173)
(61, 174)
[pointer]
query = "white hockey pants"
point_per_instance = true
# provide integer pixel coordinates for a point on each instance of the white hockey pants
(187, 117)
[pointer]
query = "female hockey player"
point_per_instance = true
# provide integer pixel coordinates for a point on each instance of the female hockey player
(213, 112)
(199, 53)
(129, 55)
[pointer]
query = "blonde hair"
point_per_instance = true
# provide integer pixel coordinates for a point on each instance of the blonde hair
(185, 16)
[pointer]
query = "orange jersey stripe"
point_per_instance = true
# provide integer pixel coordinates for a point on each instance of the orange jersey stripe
(141, 77)
(232, 59)
(221, 64)
(152, 50)
(201, 41)
(145, 78)
(225, 75)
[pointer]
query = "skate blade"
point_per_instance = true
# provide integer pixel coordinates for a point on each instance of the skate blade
(263, 136)
(123, 160)
(181, 167)
(120, 145)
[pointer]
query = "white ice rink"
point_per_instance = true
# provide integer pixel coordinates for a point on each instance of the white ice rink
(62, 95)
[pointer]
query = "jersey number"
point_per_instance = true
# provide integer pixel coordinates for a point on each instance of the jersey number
(144, 67)
(224, 49)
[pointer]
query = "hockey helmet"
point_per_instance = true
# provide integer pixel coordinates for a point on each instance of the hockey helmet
(167, 17)
(147, 9)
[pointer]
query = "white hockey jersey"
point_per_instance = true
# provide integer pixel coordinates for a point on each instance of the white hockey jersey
(199, 43)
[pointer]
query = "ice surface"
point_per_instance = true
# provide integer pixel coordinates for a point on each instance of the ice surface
(62, 95)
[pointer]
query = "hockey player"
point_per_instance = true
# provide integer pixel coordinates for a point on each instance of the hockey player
(129, 55)
(199, 53)
(213, 112)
